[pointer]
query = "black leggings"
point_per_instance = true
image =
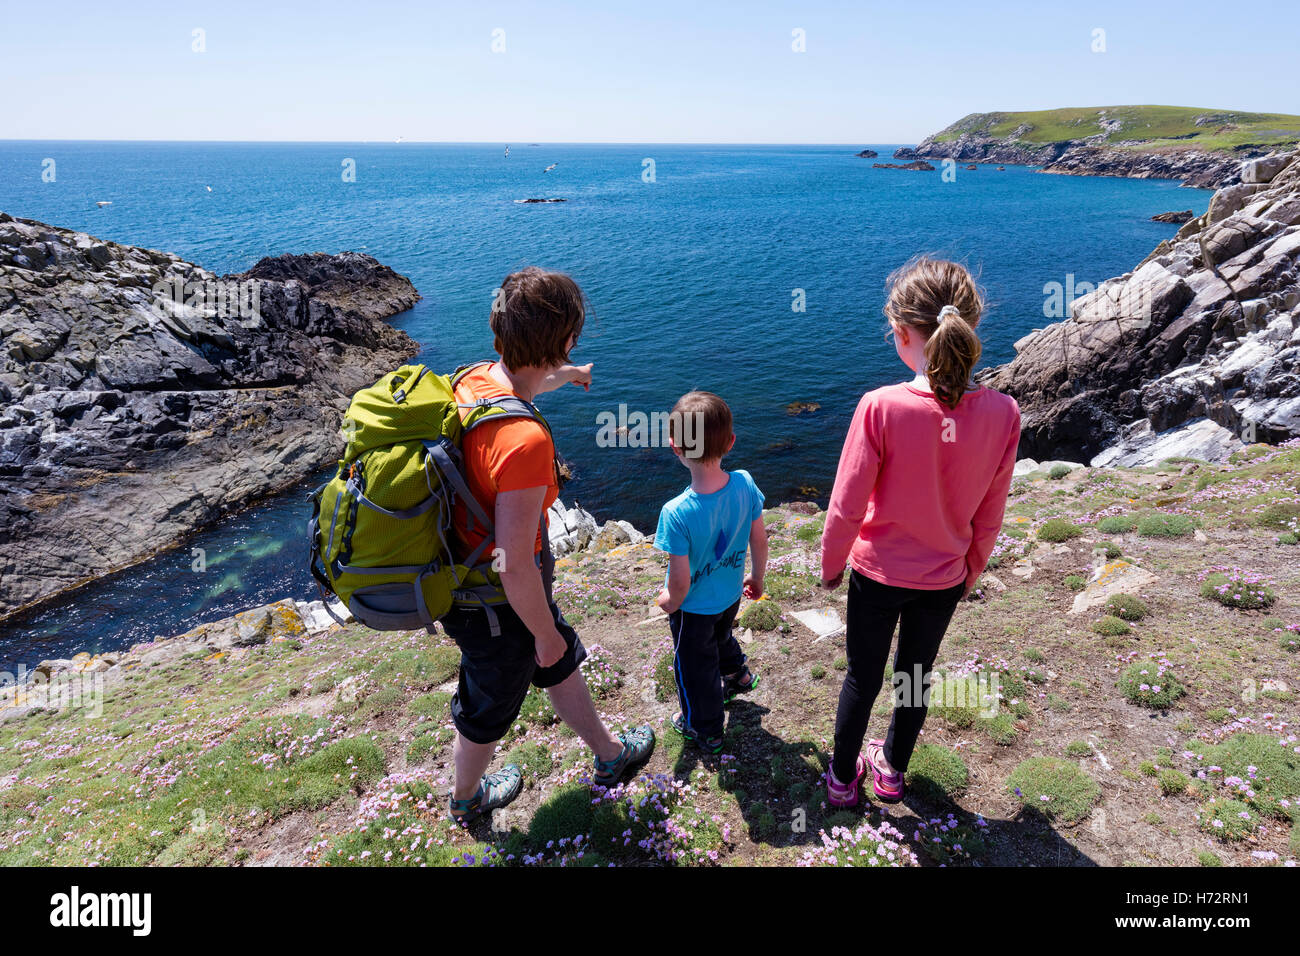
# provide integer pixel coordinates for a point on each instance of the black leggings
(874, 611)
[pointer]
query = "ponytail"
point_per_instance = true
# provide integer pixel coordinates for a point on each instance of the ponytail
(939, 299)
(950, 355)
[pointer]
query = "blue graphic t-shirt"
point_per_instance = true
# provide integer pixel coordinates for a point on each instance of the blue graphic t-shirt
(713, 531)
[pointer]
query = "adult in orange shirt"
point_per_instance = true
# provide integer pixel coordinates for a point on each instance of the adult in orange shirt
(510, 469)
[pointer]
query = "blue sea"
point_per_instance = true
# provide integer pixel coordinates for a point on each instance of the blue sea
(693, 274)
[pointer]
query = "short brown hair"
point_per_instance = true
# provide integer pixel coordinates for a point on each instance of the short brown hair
(918, 293)
(700, 426)
(533, 316)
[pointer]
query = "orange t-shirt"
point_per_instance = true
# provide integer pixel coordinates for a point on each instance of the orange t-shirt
(509, 455)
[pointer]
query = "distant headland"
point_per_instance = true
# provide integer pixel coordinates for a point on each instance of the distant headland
(1203, 147)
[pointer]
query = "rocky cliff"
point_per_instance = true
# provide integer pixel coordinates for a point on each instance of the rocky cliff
(144, 396)
(1193, 352)
(1202, 148)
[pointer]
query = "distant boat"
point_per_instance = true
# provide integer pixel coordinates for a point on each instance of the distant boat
(507, 152)
(208, 188)
(550, 167)
(398, 140)
(101, 205)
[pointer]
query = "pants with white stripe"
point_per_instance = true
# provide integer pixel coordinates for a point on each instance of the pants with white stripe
(704, 649)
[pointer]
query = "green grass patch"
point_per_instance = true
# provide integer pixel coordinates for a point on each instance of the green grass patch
(1239, 589)
(1055, 787)
(1056, 530)
(1117, 524)
(1229, 820)
(1110, 626)
(1150, 684)
(1157, 524)
(761, 616)
(936, 773)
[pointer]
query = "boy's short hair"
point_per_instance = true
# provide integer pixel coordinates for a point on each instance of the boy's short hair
(700, 426)
(533, 317)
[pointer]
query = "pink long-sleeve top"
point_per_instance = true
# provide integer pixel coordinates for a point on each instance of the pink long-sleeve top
(921, 488)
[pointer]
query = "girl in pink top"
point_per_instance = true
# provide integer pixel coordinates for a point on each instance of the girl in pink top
(917, 505)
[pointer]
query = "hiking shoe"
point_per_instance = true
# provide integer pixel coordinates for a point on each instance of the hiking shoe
(711, 745)
(638, 745)
(494, 790)
(888, 787)
(844, 796)
(739, 683)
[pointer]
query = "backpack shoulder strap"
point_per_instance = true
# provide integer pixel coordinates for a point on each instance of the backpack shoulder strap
(503, 406)
(464, 370)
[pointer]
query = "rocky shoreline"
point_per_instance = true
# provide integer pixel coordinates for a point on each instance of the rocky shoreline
(144, 397)
(1195, 352)
(1195, 168)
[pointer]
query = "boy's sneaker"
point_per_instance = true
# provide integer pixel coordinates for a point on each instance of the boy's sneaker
(494, 790)
(712, 745)
(638, 745)
(736, 684)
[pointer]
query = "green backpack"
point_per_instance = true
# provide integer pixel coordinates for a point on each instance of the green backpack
(380, 529)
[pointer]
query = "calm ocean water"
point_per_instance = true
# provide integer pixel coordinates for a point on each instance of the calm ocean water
(691, 278)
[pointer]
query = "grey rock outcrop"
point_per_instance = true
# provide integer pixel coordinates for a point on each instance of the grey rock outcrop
(1193, 352)
(143, 397)
(575, 529)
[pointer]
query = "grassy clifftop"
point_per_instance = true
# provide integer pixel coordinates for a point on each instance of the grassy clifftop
(1152, 726)
(1152, 127)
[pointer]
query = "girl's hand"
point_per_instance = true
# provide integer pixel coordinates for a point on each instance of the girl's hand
(832, 583)
(753, 587)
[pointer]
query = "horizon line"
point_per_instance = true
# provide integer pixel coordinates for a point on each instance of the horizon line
(452, 142)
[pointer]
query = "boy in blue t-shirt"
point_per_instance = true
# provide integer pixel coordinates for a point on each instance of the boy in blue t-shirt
(706, 531)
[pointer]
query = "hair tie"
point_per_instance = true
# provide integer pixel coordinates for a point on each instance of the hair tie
(946, 311)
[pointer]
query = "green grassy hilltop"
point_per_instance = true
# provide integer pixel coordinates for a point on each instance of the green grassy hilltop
(1068, 726)
(1154, 127)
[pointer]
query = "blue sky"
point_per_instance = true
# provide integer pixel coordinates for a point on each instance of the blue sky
(614, 71)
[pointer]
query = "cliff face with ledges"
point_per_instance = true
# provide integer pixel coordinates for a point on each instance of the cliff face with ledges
(1193, 351)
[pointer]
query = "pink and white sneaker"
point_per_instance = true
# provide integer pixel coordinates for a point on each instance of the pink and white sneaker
(888, 787)
(845, 795)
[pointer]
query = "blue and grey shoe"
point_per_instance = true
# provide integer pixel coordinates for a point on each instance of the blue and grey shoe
(741, 682)
(494, 790)
(638, 745)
